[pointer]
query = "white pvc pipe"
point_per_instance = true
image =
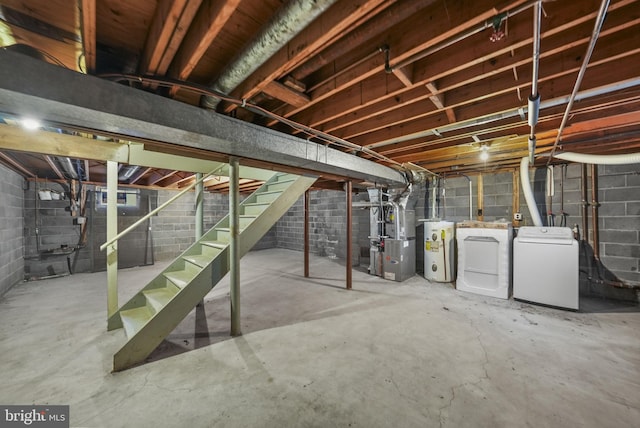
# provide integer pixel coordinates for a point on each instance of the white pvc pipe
(528, 193)
(599, 159)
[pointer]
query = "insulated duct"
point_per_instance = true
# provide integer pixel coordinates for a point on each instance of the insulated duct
(285, 24)
(66, 164)
(127, 172)
(528, 192)
(599, 159)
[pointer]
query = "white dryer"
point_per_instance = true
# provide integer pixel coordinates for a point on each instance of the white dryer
(484, 258)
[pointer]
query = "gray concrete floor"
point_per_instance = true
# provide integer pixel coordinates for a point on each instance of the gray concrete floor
(315, 355)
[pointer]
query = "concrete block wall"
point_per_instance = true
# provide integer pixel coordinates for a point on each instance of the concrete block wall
(327, 223)
(11, 224)
(619, 220)
(53, 223)
(619, 215)
(172, 230)
(174, 227)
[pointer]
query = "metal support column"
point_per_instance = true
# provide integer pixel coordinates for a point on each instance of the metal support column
(234, 245)
(199, 212)
(348, 190)
(112, 231)
(595, 230)
(585, 203)
(199, 206)
(480, 198)
(307, 195)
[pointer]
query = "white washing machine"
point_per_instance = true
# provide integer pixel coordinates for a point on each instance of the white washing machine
(439, 250)
(484, 258)
(546, 266)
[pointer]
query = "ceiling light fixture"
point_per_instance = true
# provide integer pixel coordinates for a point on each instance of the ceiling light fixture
(30, 124)
(484, 152)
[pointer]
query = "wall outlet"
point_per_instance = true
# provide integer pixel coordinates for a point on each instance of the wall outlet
(517, 216)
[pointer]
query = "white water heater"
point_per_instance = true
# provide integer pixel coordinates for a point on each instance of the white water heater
(439, 250)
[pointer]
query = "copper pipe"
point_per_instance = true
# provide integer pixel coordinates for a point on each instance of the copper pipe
(348, 190)
(306, 233)
(585, 203)
(594, 211)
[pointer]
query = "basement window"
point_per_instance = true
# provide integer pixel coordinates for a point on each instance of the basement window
(125, 197)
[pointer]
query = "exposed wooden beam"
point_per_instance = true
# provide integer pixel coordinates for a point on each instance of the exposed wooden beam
(338, 19)
(169, 26)
(54, 167)
(437, 98)
(355, 108)
(52, 143)
(89, 34)
(87, 170)
(410, 43)
(209, 21)
(474, 104)
(286, 94)
(139, 176)
(405, 75)
(391, 16)
(159, 176)
(6, 158)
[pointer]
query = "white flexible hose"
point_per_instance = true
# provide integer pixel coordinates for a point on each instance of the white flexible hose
(528, 193)
(599, 159)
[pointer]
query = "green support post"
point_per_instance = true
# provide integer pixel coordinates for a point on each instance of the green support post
(112, 231)
(234, 245)
(199, 206)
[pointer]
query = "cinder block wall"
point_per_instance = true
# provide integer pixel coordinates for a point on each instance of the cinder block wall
(327, 226)
(619, 220)
(619, 215)
(53, 223)
(172, 230)
(11, 224)
(175, 226)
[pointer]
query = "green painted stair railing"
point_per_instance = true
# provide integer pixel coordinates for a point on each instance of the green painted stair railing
(150, 315)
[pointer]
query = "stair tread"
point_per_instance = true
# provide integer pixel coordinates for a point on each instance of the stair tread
(268, 192)
(180, 278)
(134, 319)
(215, 244)
(255, 203)
(288, 180)
(159, 297)
(248, 216)
(226, 229)
(200, 260)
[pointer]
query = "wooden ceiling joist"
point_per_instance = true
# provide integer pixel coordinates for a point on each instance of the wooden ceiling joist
(89, 44)
(208, 23)
(311, 40)
(170, 23)
(286, 94)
